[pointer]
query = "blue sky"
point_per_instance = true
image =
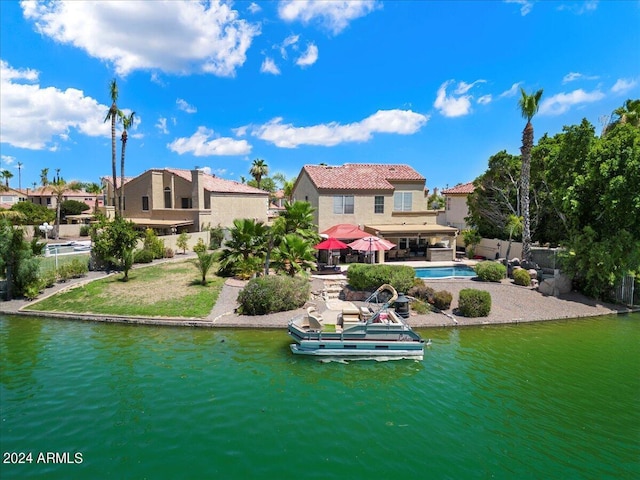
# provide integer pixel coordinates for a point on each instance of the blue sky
(433, 84)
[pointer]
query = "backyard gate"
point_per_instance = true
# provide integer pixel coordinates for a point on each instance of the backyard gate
(625, 290)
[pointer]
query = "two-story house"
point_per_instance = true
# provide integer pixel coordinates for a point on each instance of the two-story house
(389, 201)
(10, 196)
(171, 199)
(456, 209)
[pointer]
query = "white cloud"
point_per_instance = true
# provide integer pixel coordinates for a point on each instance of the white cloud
(452, 105)
(8, 159)
(289, 41)
(37, 118)
(309, 57)
(562, 102)
(201, 144)
(177, 37)
(403, 122)
(254, 7)
(573, 76)
(269, 66)
(162, 125)
(512, 92)
(185, 107)
(240, 131)
(485, 99)
(623, 85)
(334, 16)
(581, 7)
(525, 5)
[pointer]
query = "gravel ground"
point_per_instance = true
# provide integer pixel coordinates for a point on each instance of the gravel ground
(510, 304)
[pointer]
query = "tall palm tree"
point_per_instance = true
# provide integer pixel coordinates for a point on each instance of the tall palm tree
(94, 189)
(19, 175)
(529, 105)
(6, 174)
(127, 122)
(58, 187)
(258, 170)
(113, 116)
(44, 174)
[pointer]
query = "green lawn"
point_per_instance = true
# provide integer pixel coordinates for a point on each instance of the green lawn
(164, 290)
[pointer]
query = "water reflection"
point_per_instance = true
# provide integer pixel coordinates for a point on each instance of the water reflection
(22, 343)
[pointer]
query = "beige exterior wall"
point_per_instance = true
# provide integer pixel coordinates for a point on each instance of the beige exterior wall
(227, 207)
(305, 191)
(456, 211)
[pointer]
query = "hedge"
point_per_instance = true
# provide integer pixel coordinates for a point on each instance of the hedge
(521, 277)
(474, 303)
(273, 293)
(490, 271)
(369, 277)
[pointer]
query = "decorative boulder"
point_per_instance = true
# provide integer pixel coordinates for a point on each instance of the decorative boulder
(556, 286)
(533, 273)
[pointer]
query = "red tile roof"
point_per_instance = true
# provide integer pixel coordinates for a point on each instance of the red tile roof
(460, 189)
(218, 185)
(360, 176)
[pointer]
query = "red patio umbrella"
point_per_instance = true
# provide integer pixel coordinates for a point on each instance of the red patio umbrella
(345, 231)
(330, 244)
(371, 244)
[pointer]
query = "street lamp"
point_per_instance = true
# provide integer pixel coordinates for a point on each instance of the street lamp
(46, 229)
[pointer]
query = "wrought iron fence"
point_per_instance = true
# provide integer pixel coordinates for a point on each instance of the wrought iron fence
(625, 291)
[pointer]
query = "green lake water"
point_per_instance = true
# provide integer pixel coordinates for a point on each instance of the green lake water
(531, 401)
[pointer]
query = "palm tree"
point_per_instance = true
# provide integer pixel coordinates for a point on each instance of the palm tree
(298, 218)
(19, 175)
(113, 116)
(127, 122)
(529, 105)
(7, 175)
(58, 187)
(247, 242)
(294, 254)
(258, 170)
(94, 189)
(513, 228)
(44, 180)
(203, 263)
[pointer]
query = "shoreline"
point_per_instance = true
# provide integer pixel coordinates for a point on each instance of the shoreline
(511, 304)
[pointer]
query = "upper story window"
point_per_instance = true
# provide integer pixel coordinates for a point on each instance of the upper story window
(342, 204)
(167, 197)
(186, 202)
(402, 201)
(145, 203)
(378, 204)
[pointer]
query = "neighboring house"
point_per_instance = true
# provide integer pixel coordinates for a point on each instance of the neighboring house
(388, 201)
(171, 199)
(45, 196)
(9, 197)
(456, 209)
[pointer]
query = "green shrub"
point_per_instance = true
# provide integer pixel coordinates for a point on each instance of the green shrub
(490, 271)
(200, 246)
(521, 277)
(153, 243)
(442, 300)
(32, 291)
(422, 292)
(48, 278)
(273, 293)
(474, 303)
(77, 268)
(420, 307)
(370, 277)
(84, 230)
(143, 256)
(216, 237)
(64, 272)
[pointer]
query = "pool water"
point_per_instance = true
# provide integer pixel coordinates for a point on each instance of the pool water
(445, 272)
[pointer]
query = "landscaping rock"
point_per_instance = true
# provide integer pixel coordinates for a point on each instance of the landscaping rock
(556, 286)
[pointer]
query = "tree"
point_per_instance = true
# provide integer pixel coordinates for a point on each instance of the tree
(33, 214)
(17, 262)
(58, 187)
(294, 254)
(44, 180)
(183, 241)
(514, 229)
(127, 123)
(113, 115)
(6, 174)
(246, 245)
(258, 170)
(20, 175)
(73, 207)
(94, 189)
(203, 263)
(114, 241)
(529, 105)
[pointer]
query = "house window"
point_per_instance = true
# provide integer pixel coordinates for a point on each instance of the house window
(448, 203)
(48, 201)
(378, 204)
(145, 203)
(185, 202)
(402, 201)
(167, 197)
(342, 204)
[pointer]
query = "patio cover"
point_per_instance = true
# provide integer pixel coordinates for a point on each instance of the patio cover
(410, 230)
(345, 231)
(151, 223)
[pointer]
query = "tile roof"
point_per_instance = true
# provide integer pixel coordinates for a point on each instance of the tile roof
(216, 184)
(460, 189)
(360, 176)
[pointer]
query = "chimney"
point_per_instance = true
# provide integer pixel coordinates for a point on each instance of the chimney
(197, 189)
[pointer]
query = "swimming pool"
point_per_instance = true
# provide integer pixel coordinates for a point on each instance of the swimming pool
(445, 272)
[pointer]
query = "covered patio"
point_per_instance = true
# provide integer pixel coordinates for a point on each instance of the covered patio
(430, 242)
